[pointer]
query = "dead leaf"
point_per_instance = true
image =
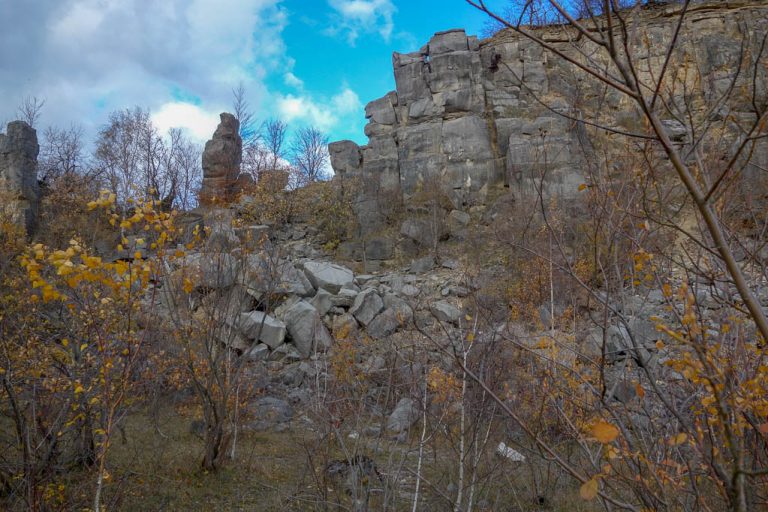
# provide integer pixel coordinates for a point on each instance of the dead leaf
(604, 432)
(588, 490)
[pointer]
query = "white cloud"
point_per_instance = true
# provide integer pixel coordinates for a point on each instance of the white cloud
(293, 81)
(198, 123)
(88, 57)
(322, 114)
(353, 17)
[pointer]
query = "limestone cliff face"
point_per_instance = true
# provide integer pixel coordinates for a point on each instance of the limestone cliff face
(19, 192)
(470, 114)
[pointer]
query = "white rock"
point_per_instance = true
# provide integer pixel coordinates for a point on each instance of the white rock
(502, 450)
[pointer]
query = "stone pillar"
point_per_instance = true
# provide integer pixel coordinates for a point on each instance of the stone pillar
(19, 190)
(221, 162)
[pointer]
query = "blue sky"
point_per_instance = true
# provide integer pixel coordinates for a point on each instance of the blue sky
(308, 62)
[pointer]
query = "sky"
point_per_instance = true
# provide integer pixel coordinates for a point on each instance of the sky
(306, 62)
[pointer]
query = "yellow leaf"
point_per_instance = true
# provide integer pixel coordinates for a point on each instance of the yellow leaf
(678, 439)
(604, 432)
(583, 186)
(137, 255)
(588, 490)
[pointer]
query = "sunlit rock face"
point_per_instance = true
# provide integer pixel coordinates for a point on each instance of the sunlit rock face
(468, 115)
(221, 162)
(19, 191)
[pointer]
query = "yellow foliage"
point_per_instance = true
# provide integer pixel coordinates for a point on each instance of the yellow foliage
(604, 432)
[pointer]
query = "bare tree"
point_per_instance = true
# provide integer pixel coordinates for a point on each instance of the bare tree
(30, 110)
(134, 159)
(61, 153)
(275, 132)
(309, 150)
(242, 111)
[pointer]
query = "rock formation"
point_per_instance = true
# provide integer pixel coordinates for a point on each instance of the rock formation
(19, 192)
(221, 161)
(470, 114)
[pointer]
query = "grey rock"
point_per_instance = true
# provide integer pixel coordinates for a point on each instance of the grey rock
(258, 352)
(345, 326)
(421, 231)
(459, 218)
(423, 265)
(346, 157)
(366, 306)
(448, 41)
(379, 248)
(265, 275)
(385, 324)
(285, 353)
(322, 301)
(403, 310)
(221, 161)
(306, 329)
(213, 270)
(19, 189)
(362, 279)
(445, 312)
(329, 276)
(410, 291)
(257, 325)
(345, 298)
(405, 414)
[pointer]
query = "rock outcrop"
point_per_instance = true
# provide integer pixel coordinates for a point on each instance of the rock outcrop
(19, 191)
(221, 161)
(468, 114)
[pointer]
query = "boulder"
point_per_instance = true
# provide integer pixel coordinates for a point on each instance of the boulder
(346, 157)
(306, 329)
(367, 305)
(385, 324)
(405, 414)
(445, 312)
(403, 311)
(285, 353)
(345, 298)
(257, 325)
(256, 353)
(410, 290)
(328, 276)
(344, 326)
(423, 265)
(264, 275)
(211, 270)
(322, 301)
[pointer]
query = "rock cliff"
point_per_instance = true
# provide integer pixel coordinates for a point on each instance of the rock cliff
(19, 192)
(468, 114)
